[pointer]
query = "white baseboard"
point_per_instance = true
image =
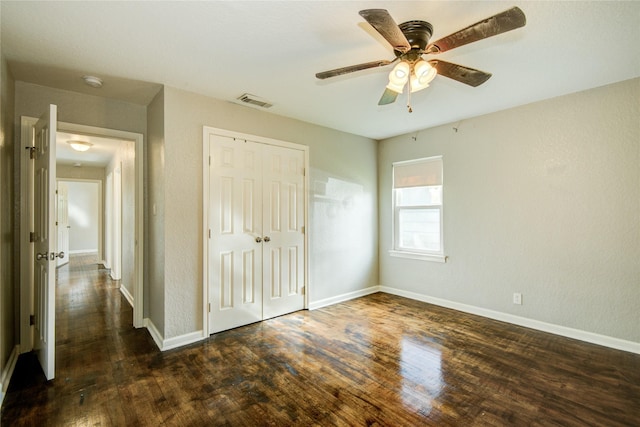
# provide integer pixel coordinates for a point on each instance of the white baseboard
(83, 251)
(181, 340)
(344, 297)
(127, 295)
(604, 340)
(171, 343)
(7, 372)
(153, 331)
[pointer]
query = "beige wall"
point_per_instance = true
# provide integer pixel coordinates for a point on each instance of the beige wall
(343, 243)
(85, 172)
(543, 199)
(32, 100)
(123, 163)
(9, 325)
(154, 252)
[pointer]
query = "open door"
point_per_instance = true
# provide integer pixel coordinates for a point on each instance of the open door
(62, 222)
(45, 240)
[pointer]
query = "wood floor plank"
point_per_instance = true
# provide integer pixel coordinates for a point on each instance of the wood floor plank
(379, 360)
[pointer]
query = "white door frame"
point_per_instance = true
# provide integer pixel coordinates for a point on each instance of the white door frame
(26, 207)
(206, 130)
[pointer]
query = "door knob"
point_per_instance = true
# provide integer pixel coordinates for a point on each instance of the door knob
(267, 238)
(60, 255)
(41, 256)
(258, 239)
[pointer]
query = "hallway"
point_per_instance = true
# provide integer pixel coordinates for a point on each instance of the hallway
(96, 348)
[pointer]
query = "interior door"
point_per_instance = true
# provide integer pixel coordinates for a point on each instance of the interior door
(45, 240)
(257, 246)
(283, 221)
(235, 261)
(62, 223)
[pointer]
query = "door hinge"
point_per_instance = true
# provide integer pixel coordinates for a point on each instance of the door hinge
(209, 233)
(209, 305)
(32, 320)
(209, 160)
(32, 236)
(303, 229)
(32, 152)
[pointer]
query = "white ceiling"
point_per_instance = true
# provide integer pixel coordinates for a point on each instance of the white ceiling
(99, 155)
(273, 49)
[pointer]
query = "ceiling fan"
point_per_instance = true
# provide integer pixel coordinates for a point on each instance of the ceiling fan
(410, 40)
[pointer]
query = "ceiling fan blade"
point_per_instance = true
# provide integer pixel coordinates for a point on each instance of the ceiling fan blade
(352, 68)
(466, 75)
(387, 27)
(494, 25)
(388, 97)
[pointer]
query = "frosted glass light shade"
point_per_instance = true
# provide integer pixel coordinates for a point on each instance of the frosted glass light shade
(398, 77)
(80, 145)
(423, 74)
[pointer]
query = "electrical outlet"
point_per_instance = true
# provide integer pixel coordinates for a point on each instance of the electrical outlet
(517, 298)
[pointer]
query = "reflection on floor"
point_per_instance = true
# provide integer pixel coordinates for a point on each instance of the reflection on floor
(378, 360)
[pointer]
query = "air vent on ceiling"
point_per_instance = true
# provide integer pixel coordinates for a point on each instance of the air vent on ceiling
(247, 98)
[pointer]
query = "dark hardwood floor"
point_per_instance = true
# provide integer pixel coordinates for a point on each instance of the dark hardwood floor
(378, 360)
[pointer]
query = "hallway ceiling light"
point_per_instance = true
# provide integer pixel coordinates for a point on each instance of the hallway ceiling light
(80, 145)
(93, 81)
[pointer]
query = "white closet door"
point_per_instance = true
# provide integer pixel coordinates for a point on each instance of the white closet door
(283, 221)
(235, 255)
(256, 264)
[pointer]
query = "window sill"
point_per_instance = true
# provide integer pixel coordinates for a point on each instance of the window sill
(415, 255)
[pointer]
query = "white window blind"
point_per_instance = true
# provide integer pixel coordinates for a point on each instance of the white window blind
(418, 173)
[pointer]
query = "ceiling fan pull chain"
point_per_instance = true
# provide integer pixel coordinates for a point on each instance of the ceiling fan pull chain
(409, 98)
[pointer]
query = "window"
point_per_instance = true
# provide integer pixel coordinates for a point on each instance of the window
(417, 209)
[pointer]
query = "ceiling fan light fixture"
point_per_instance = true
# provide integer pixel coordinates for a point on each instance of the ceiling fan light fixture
(424, 72)
(79, 145)
(399, 76)
(398, 88)
(400, 73)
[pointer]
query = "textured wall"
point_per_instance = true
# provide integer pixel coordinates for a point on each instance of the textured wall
(123, 163)
(347, 159)
(8, 261)
(32, 100)
(543, 199)
(154, 229)
(126, 155)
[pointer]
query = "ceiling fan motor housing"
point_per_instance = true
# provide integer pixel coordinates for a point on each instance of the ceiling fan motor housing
(417, 33)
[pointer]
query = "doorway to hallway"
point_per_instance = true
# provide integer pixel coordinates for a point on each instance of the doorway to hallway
(129, 163)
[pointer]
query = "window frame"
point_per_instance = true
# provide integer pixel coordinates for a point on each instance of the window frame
(396, 250)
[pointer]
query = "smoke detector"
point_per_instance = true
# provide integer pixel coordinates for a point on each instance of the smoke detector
(247, 98)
